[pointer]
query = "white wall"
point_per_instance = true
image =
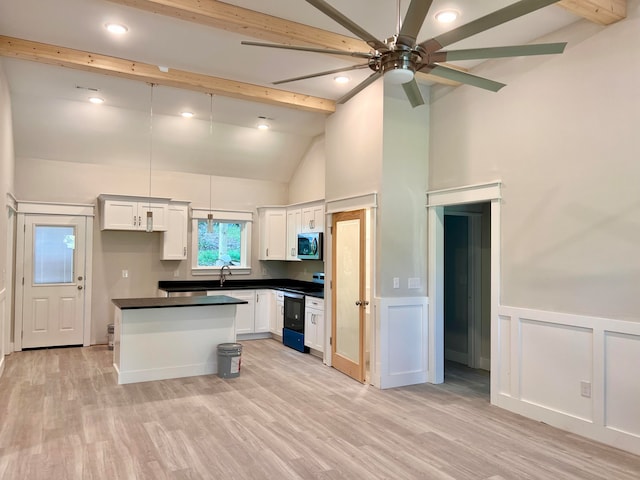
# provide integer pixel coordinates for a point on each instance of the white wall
(353, 145)
(402, 216)
(307, 182)
(562, 138)
(138, 252)
(7, 163)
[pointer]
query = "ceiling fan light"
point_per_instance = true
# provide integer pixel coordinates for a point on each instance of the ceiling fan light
(96, 100)
(398, 76)
(446, 16)
(187, 114)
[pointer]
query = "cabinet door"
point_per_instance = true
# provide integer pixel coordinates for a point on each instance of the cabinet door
(174, 240)
(245, 313)
(294, 226)
(273, 234)
(313, 218)
(160, 213)
(319, 324)
(263, 310)
(279, 318)
(119, 215)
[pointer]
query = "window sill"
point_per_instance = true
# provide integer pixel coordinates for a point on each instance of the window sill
(216, 271)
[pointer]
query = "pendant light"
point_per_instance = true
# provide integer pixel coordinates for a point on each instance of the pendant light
(210, 214)
(149, 212)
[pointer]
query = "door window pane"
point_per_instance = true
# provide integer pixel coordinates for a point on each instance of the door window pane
(347, 276)
(53, 254)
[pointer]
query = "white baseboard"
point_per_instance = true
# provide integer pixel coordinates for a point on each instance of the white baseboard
(135, 376)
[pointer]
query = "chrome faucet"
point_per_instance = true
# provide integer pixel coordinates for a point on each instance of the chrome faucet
(222, 275)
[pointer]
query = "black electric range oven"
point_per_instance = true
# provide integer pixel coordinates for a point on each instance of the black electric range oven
(293, 331)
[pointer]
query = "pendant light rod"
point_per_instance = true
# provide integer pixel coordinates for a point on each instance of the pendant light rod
(210, 214)
(149, 212)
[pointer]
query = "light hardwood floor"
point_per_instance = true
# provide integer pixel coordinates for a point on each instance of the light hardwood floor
(286, 417)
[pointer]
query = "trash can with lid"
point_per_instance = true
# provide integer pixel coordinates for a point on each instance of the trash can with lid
(229, 359)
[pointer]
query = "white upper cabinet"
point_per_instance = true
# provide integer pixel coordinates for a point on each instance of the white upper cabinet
(273, 233)
(294, 227)
(174, 240)
(313, 218)
(130, 213)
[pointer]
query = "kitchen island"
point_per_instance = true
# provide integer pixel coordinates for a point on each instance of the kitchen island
(162, 338)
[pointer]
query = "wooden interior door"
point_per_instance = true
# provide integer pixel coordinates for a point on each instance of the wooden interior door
(54, 279)
(348, 305)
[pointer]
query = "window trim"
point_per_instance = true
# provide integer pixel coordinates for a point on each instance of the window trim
(227, 216)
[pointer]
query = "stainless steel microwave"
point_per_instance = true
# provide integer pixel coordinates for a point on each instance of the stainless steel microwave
(310, 246)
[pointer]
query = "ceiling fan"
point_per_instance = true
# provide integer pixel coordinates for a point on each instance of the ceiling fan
(399, 57)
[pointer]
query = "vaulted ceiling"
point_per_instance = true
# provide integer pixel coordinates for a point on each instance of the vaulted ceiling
(198, 42)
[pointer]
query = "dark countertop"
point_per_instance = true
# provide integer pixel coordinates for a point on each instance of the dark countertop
(162, 302)
(284, 284)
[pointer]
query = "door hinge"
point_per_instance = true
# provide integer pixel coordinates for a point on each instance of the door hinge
(23, 280)
(330, 340)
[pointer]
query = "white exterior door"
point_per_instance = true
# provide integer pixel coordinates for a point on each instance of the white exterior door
(54, 275)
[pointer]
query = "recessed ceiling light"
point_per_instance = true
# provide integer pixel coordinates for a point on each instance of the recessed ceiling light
(187, 114)
(341, 79)
(446, 16)
(96, 100)
(116, 28)
(263, 124)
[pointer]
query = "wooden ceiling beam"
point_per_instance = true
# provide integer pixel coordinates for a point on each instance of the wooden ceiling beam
(248, 22)
(604, 12)
(130, 69)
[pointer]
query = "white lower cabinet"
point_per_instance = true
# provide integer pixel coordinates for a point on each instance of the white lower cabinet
(255, 316)
(314, 323)
(245, 313)
(264, 310)
(276, 323)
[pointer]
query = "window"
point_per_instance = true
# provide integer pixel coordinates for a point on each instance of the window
(227, 243)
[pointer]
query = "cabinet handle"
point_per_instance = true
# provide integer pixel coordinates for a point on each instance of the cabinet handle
(134, 221)
(139, 220)
(267, 252)
(184, 251)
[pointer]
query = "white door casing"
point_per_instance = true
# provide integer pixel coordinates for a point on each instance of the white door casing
(436, 201)
(53, 275)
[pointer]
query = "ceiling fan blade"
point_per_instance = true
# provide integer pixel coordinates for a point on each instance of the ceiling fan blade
(481, 24)
(466, 78)
(358, 88)
(347, 23)
(309, 49)
(412, 91)
(498, 52)
(320, 74)
(413, 20)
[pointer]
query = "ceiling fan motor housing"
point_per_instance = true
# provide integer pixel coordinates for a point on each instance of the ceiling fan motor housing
(403, 62)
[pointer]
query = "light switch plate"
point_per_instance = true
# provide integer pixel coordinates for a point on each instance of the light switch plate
(585, 389)
(396, 282)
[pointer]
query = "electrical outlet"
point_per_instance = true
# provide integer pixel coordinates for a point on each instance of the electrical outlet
(413, 282)
(585, 389)
(125, 273)
(176, 273)
(396, 282)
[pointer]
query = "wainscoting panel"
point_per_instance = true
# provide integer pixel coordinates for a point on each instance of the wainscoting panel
(555, 359)
(575, 372)
(4, 318)
(622, 388)
(403, 326)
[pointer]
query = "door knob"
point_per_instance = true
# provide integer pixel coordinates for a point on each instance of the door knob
(358, 303)
(79, 287)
